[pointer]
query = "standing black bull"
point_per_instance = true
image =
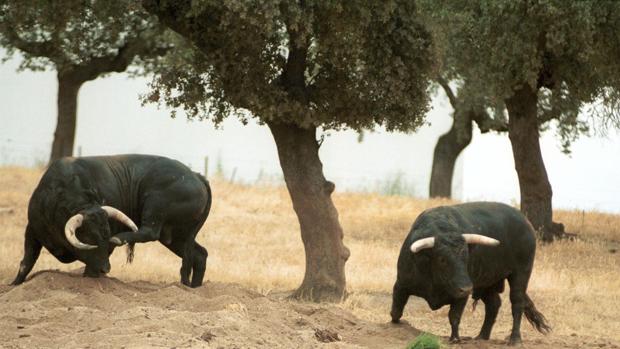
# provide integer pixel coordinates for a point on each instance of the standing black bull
(77, 209)
(451, 250)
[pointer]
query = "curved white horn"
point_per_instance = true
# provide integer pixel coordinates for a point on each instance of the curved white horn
(120, 216)
(72, 224)
(480, 240)
(422, 244)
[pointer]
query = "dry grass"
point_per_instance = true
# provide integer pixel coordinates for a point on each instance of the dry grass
(253, 239)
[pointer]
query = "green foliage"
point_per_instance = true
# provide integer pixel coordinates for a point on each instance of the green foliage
(71, 33)
(333, 64)
(425, 341)
(566, 50)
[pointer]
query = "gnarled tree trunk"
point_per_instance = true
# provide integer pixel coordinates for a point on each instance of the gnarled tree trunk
(534, 184)
(321, 233)
(64, 136)
(448, 148)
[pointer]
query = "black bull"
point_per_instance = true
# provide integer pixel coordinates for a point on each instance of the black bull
(452, 250)
(84, 207)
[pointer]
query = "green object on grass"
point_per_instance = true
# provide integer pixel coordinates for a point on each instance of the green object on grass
(424, 341)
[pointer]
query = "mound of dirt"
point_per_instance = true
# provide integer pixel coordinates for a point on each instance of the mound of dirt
(56, 309)
(65, 310)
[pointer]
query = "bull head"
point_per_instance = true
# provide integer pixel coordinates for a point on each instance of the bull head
(446, 264)
(76, 221)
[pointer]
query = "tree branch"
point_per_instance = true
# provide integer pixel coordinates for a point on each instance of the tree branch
(486, 123)
(479, 115)
(446, 87)
(172, 13)
(38, 49)
(94, 67)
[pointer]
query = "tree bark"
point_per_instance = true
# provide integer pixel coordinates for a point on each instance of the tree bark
(64, 136)
(536, 193)
(310, 192)
(448, 148)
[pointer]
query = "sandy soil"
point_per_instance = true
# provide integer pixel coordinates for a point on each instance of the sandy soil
(58, 309)
(65, 310)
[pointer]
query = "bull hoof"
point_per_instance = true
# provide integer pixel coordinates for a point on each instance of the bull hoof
(514, 341)
(455, 340)
(116, 241)
(91, 274)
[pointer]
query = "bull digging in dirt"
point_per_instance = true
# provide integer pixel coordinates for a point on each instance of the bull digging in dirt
(452, 250)
(82, 207)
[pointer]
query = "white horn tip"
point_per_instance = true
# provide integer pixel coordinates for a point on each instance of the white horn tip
(480, 240)
(422, 244)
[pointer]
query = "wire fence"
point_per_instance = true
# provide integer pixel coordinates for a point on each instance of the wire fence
(238, 167)
(245, 168)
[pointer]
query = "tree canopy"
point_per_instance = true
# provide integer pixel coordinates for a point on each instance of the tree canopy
(359, 64)
(72, 33)
(567, 50)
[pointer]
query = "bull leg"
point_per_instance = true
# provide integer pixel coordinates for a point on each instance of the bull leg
(200, 264)
(518, 286)
(144, 234)
(454, 315)
(185, 250)
(400, 296)
(492, 302)
(32, 249)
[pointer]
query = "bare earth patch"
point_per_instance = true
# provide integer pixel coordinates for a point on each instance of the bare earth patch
(64, 310)
(59, 309)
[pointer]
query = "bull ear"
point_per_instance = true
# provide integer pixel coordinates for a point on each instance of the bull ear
(478, 239)
(422, 244)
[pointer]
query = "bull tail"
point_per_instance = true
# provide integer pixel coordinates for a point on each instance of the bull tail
(536, 318)
(130, 251)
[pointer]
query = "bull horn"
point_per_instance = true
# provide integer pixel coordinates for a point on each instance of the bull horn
(422, 244)
(120, 216)
(72, 224)
(480, 240)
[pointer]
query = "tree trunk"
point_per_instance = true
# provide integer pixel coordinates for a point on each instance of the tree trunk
(448, 148)
(534, 184)
(64, 136)
(321, 233)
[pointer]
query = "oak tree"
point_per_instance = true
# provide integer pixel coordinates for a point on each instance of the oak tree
(545, 61)
(300, 67)
(80, 39)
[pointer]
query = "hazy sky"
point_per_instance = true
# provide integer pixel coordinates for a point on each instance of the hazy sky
(111, 120)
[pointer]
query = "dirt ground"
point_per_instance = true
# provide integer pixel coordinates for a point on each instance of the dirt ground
(255, 260)
(65, 310)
